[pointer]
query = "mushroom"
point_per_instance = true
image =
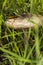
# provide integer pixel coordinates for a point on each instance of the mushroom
(24, 22)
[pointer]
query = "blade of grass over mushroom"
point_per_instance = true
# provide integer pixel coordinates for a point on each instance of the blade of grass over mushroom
(17, 57)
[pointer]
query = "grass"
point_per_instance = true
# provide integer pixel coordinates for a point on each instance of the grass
(20, 47)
